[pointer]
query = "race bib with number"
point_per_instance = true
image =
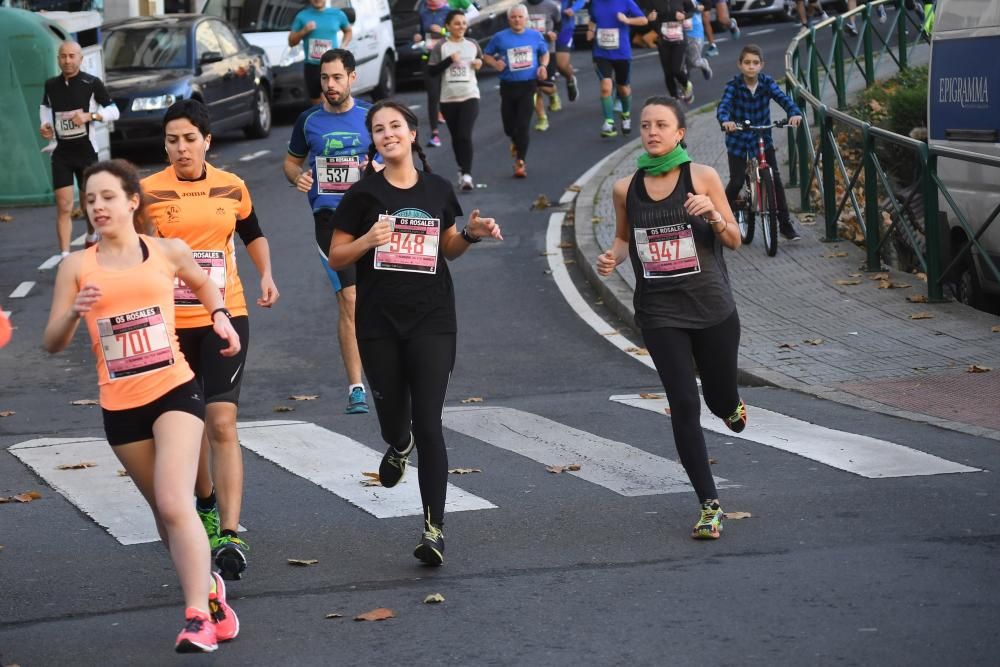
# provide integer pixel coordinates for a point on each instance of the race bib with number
(66, 128)
(336, 174)
(136, 342)
(672, 31)
(521, 57)
(667, 252)
(317, 47)
(607, 38)
(537, 22)
(459, 73)
(412, 247)
(212, 262)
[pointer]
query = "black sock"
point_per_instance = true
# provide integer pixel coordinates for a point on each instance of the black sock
(230, 533)
(206, 504)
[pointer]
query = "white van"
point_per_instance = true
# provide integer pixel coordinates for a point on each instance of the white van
(265, 23)
(963, 112)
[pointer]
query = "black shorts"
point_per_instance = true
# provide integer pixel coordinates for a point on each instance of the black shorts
(68, 164)
(220, 377)
(313, 88)
(136, 424)
(324, 235)
(619, 70)
(710, 4)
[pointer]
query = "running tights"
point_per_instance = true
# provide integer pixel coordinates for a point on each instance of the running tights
(676, 353)
(517, 104)
(408, 380)
(433, 85)
(672, 61)
(460, 117)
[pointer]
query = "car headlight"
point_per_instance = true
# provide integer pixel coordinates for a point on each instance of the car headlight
(153, 103)
(292, 55)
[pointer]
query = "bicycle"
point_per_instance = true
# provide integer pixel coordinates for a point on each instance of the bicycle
(758, 198)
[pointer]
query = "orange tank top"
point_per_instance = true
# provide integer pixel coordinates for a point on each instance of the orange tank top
(132, 330)
(203, 213)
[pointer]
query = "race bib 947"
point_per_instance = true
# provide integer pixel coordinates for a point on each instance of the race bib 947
(668, 251)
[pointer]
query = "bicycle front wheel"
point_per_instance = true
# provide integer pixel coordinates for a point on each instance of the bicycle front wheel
(743, 212)
(769, 212)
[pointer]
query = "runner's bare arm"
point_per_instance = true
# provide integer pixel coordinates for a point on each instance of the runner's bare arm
(69, 303)
(260, 254)
(346, 39)
(616, 254)
(711, 203)
(346, 250)
(203, 287)
(301, 178)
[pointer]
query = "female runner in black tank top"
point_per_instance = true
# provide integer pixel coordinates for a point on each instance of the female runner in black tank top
(673, 221)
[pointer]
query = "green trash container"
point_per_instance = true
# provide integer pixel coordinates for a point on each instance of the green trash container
(29, 48)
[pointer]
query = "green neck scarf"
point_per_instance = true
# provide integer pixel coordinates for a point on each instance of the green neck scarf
(655, 166)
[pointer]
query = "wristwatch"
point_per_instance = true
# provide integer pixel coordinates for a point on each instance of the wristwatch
(93, 116)
(224, 311)
(469, 238)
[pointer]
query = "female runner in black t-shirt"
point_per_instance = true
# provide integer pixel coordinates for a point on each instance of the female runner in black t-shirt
(673, 221)
(398, 226)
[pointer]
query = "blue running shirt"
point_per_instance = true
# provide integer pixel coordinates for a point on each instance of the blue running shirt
(318, 132)
(520, 52)
(329, 23)
(612, 38)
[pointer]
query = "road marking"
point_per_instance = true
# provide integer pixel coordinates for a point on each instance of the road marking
(22, 290)
(858, 454)
(760, 32)
(553, 237)
(617, 466)
(335, 462)
(254, 156)
(7, 314)
(79, 240)
(50, 262)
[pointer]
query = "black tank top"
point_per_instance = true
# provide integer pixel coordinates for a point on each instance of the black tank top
(687, 284)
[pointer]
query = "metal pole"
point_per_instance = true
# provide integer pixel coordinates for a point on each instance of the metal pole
(931, 230)
(805, 165)
(873, 222)
(869, 54)
(840, 78)
(901, 15)
(829, 175)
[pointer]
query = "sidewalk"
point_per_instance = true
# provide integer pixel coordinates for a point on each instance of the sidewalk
(864, 349)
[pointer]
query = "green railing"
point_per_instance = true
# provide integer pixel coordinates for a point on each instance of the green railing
(810, 77)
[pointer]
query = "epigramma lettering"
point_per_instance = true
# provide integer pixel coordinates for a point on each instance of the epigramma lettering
(964, 90)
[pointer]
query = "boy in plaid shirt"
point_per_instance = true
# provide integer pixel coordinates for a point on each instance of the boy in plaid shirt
(748, 97)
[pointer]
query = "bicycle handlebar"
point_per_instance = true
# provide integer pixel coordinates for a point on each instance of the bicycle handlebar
(746, 126)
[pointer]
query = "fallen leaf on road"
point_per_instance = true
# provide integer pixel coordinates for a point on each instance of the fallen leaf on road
(917, 298)
(733, 516)
(371, 479)
(6, 218)
(842, 281)
(596, 219)
(790, 346)
(853, 275)
(923, 315)
(976, 368)
(301, 562)
(835, 254)
(546, 254)
(25, 497)
(922, 277)
(994, 329)
(813, 341)
(638, 351)
(569, 261)
(7, 413)
(334, 616)
(650, 396)
(284, 408)
(379, 614)
(610, 333)
(463, 471)
(76, 466)
(434, 598)
(879, 276)
(122, 472)
(885, 284)
(574, 188)
(572, 467)
(541, 201)
(304, 397)
(83, 401)
(713, 461)
(807, 218)
(567, 244)
(472, 399)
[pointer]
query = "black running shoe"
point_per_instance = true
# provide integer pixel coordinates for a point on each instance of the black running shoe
(231, 557)
(787, 229)
(393, 465)
(572, 90)
(431, 547)
(738, 420)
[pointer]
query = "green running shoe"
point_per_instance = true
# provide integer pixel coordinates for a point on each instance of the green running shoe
(231, 557)
(709, 526)
(431, 547)
(210, 520)
(738, 420)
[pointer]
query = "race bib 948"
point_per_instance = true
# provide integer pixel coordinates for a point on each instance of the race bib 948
(412, 247)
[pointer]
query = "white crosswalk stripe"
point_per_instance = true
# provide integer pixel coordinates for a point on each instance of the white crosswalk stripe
(858, 454)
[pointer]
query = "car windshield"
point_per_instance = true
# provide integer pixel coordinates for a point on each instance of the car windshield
(146, 48)
(261, 15)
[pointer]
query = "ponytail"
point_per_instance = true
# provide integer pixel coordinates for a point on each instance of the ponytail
(370, 165)
(423, 158)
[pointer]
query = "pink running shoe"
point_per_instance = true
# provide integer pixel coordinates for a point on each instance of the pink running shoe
(227, 625)
(198, 635)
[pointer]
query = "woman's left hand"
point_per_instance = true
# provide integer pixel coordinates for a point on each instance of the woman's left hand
(482, 227)
(700, 205)
(268, 292)
(224, 329)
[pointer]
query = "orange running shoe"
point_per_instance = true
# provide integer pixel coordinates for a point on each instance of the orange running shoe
(198, 635)
(519, 171)
(227, 625)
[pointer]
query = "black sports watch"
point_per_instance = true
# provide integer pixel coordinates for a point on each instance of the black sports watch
(224, 311)
(469, 238)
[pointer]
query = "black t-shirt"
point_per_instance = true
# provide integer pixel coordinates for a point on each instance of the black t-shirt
(68, 96)
(395, 303)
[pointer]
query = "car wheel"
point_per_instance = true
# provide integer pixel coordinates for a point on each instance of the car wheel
(260, 127)
(967, 289)
(386, 80)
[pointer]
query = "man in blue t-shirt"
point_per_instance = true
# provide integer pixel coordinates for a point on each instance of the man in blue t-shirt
(521, 56)
(334, 138)
(609, 30)
(318, 27)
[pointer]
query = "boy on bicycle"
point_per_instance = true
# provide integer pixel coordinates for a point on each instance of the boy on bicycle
(748, 97)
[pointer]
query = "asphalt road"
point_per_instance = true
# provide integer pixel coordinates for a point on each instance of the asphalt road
(832, 567)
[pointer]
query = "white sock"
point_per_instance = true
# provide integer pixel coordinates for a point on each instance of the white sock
(351, 388)
(65, 253)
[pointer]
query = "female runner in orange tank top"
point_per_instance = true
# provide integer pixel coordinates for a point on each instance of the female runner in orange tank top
(123, 289)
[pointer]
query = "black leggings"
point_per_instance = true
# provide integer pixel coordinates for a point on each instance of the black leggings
(737, 175)
(675, 353)
(460, 117)
(408, 380)
(517, 103)
(433, 84)
(672, 62)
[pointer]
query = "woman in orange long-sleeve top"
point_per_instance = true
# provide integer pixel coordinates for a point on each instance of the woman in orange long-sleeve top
(123, 290)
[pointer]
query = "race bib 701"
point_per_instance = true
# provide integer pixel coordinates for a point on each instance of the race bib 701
(135, 342)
